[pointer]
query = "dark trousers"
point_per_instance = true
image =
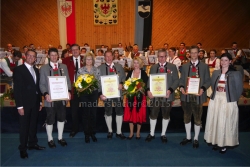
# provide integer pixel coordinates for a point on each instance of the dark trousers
(116, 103)
(89, 105)
(192, 108)
(74, 106)
(160, 103)
(28, 127)
(57, 111)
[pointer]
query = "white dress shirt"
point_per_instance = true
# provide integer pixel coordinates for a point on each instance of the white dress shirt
(195, 63)
(53, 65)
(176, 61)
(29, 66)
(5, 67)
(79, 61)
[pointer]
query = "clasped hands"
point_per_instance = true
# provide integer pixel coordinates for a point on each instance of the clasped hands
(103, 98)
(185, 93)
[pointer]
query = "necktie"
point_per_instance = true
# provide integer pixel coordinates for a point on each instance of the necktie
(32, 71)
(111, 69)
(55, 70)
(162, 68)
(55, 67)
(193, 70)
(76, 65)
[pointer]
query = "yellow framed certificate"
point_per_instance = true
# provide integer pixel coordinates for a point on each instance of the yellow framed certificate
(110, 85)
(158, 84)
(58, 88)
(193, 85)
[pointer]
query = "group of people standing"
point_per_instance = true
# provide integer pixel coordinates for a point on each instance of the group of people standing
(222, 119)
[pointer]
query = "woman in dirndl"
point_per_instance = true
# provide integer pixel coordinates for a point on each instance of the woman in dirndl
(223, 113)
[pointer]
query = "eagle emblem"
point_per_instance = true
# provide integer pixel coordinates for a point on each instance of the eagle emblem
(66, 8)
(105, 8)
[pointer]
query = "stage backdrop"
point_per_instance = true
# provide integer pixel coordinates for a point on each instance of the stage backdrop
(28, 21)
(212, 22)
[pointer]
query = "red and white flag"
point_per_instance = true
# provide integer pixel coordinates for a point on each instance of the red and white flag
(66, 21)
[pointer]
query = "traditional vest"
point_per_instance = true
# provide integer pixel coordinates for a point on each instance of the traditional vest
(10, 65)
(161, 69)
(182, 54)
(221, 84)
(110, 71)
(211, 64)
(172, 61)
(135, 55)
(193, 70)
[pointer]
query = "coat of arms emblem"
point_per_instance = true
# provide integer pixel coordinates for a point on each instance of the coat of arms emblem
(105, 12)
(66, 8)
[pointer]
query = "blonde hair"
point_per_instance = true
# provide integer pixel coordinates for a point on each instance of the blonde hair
(88, 54)
(139, 60)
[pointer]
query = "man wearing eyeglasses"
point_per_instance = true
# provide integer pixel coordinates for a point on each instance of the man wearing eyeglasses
(162, 103)
(73, 63)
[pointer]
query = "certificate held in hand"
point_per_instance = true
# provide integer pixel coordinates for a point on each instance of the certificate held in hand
(193, 85)
(58, 88)
(110, 86)
(158, 84)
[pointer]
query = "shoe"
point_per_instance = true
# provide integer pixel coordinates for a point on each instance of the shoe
(129, 138)
(23, 154)
(185, 141)
(36, 147)
(87, 139)
(164, 139)
(149, 138)
(72, 134)
(195, 144)
(138, 138)
(121, 136)
(62, 142)
(215, 148)
(223, 150)
(110, 135)
(94, 139)
(51, 144)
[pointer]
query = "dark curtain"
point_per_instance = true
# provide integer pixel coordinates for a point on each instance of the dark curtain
(147, 33)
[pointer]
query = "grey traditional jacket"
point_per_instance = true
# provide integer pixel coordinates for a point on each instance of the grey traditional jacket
(47, 70)
(104, 70)
(94, 71)
(172, 78)
(205, 80)
(234, 84)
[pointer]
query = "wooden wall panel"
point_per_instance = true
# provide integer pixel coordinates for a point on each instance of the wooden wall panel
(216, 24)
(28, 21)
(87, 32)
